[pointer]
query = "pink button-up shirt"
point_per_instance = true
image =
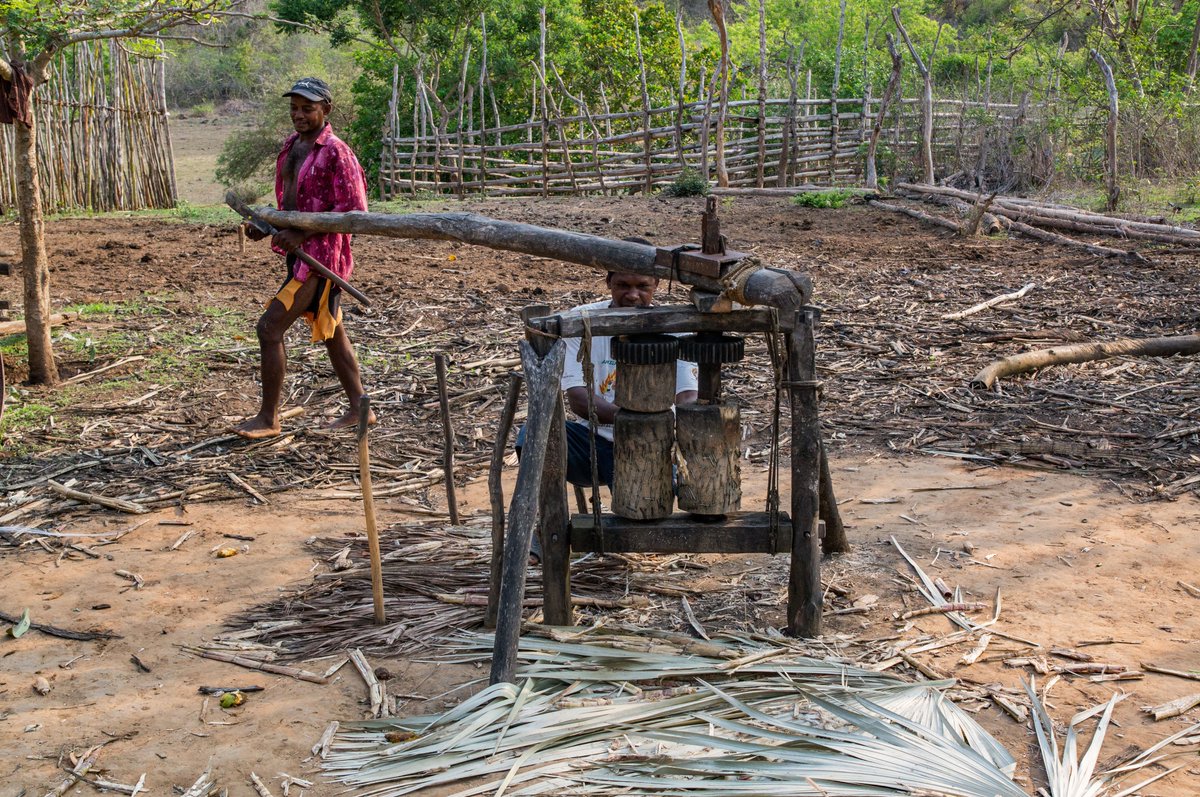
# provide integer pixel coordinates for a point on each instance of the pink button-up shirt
(329, 180)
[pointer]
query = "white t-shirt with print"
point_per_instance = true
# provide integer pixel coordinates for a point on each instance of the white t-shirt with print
(606, 368)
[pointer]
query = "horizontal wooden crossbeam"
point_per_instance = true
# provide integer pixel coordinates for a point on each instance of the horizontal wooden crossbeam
(666, 319)
(744, 532)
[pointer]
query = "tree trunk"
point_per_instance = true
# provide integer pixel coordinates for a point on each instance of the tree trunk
(1192, 50)
(718, 14)
(1110, 133)
(762, 93)
(926, 96)
(888, 92)
(834, 89)
(35, 266)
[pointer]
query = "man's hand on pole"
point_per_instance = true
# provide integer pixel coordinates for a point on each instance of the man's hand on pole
(252, 232)
(289, 240)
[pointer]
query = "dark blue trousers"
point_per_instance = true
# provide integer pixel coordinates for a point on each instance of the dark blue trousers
(579, 455)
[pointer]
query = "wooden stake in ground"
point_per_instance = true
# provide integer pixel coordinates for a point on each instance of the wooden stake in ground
(364, 474)
(448, 438)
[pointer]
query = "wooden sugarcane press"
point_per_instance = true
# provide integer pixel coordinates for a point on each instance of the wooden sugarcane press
(648, 479)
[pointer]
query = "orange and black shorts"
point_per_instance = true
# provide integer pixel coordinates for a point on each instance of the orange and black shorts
(324, 313)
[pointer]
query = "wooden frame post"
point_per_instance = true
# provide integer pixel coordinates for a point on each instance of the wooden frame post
(496, 494)
(554, 517)
(804, 585)
(543, 374)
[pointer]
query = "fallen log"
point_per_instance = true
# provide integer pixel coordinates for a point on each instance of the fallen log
(861, 193)
(786, 290)
(928, 218)
(1074, 243)
(988, 223)
(1084, 352)
(18, 327)
(1125, 228)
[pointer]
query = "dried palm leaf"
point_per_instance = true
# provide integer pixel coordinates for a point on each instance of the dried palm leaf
(747, 723)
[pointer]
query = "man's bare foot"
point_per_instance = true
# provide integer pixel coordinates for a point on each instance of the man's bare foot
(350, 420)
(257, 429)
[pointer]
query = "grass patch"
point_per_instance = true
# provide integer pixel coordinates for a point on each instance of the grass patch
(15, 346)
(823, 199)
(422, 200)
(183, 213)
(92, 309)
(21, 417)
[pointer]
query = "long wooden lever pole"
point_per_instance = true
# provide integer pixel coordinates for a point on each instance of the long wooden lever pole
(266, 228)
(364, 475)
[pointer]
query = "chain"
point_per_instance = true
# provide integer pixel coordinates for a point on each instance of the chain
(773, 466)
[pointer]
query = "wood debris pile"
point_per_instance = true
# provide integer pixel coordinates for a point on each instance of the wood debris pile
(436, 582)
(896, 371)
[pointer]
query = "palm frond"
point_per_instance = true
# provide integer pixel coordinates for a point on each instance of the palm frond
(753, 718)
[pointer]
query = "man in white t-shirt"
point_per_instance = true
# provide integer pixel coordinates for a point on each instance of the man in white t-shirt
(628, 290)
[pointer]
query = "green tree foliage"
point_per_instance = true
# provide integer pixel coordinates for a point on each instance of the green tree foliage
(1008, 48)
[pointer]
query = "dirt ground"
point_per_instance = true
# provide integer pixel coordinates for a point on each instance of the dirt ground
(1085, 541)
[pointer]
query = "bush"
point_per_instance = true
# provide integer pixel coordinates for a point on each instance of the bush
(249, 154)
(689, 183)
(822, 199)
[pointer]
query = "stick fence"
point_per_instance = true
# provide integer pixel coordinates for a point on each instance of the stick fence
(102, 136)
(793, 142)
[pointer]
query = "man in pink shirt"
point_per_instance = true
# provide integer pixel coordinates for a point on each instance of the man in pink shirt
(316, 171)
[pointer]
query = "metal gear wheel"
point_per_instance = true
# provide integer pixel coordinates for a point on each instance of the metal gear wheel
(645, 349)
(712, 348)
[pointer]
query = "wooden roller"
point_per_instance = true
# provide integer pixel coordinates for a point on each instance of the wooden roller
(645, 388)
(708, 439)
(642, 443)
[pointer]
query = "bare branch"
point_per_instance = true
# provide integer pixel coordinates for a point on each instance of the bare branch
(911, 49)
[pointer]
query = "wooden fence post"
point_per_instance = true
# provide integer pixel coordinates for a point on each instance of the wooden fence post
(649, 140)
(762, 93)
(718, 13)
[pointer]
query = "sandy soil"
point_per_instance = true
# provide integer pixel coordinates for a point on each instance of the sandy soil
(1073, 561)
(1074, 557)
(196, 142)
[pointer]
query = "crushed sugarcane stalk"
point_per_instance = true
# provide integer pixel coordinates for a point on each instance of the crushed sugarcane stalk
(254, 664)
(973, 606)
(376, 692)
(77, 772)
(1192, 675)
(972, 656)
(98, 500)
(993, 302)
(321, 748)
(1173, 708)
(259, 786)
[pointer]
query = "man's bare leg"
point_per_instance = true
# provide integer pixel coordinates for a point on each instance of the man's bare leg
(345, 365)
(271, 328)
